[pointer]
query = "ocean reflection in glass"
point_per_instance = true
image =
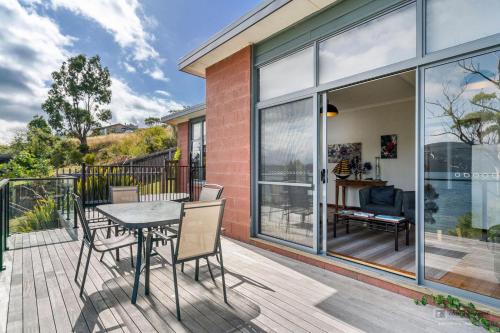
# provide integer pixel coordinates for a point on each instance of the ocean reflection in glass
(462, 174)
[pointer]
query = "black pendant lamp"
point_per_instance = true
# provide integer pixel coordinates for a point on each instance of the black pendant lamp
(331, 111)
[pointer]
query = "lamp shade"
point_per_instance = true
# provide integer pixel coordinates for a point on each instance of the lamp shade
(331, 110)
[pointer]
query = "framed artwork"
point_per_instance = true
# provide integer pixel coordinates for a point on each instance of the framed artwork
(347, 151)
(389, 146)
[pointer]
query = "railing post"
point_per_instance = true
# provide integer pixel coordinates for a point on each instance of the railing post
(75, 216)
(165, 176)
(84, 180)
(4, 206)
(7, 214)
(190, 175)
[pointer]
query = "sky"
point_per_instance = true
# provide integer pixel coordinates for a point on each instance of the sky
(139, 41)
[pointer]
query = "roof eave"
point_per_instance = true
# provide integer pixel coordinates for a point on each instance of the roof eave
(254, 16)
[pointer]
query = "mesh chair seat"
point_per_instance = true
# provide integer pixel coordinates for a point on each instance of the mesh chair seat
(116, 242)
(198, 237)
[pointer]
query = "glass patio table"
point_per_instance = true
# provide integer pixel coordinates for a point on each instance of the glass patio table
(139, 216)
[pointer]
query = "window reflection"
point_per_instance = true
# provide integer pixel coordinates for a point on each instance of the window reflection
(462, 174)
(286, 153)
(380, 42)
(198, 149)
(286, 212)
(292, 73)
(453, 22)
(286, 156)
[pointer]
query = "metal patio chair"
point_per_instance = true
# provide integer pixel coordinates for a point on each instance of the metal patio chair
(198, 237)
(210, 192)
(121, 194)
(99, 245)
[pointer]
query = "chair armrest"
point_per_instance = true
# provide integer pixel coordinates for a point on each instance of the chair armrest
(98, 219)
(398, 199)
(364, 197)
(99, 227)
(163, 236)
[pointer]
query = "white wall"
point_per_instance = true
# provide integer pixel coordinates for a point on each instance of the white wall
(366, 126)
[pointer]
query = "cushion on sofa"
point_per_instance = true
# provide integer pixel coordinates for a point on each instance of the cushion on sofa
(383, 209)
(383, 195)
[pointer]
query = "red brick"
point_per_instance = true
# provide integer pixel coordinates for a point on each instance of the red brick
(183, 141)
(228, 91)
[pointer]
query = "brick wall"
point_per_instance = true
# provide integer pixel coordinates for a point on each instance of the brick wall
(183, 141)
(228, 138)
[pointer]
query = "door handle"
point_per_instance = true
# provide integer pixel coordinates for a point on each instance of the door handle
(323, 176)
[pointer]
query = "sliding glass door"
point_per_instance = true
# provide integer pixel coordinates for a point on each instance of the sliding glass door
(287, 164)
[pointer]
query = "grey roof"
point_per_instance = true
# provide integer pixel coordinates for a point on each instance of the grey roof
(255, 15)
(184, 112)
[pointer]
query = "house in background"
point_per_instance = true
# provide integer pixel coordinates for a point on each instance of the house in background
(189, 124)
(385, 72)
(117, 128)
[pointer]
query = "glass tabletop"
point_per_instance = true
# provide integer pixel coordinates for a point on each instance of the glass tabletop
(143, 214)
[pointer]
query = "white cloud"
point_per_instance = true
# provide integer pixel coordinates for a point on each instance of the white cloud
(162, 93)
(31, 48)
(121, 18)
(128, 25)
(157, 74)
(10, 129)
(128, 106)
(128, 67)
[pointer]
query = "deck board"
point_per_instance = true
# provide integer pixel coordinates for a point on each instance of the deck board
(266, 292)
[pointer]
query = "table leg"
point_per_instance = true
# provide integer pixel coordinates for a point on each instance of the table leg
(335, 219)
(138, 263)
(343, 197)
(407, 227)
(396, 238)
(149, 244)
(347, 226)
(336, 197)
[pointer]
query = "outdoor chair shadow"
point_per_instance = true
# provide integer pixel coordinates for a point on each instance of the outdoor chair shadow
(201, 301)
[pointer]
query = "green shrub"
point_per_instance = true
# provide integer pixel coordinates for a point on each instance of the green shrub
(177, 155)
(43, 216)
(89, 158)
(24, 164)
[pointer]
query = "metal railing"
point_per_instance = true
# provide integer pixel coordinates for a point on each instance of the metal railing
(4, 218)
(32, 204)
(169, 181)
(40, 203)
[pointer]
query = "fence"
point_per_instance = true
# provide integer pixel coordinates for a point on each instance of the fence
(169, 181)
(154, 159)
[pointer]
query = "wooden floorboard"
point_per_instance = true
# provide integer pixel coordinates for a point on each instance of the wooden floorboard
(266, 293)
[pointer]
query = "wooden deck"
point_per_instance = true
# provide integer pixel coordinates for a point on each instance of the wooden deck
(266, 292)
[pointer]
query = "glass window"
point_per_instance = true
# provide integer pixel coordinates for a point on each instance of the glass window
(383, 41)
(286, 212)
(197, 148)
(293, 73)
(462, 174)
(453, 22)
(286, 137)
(286, 156)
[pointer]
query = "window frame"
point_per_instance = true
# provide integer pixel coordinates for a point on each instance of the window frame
(199, 120)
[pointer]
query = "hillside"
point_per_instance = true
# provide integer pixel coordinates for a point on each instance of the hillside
(116, 148)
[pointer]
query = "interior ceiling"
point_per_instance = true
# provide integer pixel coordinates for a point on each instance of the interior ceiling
(388, 90)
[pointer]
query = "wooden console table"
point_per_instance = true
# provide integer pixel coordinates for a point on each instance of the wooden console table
(344, 183)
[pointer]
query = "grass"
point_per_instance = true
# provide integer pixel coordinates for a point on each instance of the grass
(117, 148)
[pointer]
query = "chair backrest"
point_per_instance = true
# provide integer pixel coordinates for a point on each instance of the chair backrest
(123, 194)
(199, 229)
(210, 192)
(80, 211)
